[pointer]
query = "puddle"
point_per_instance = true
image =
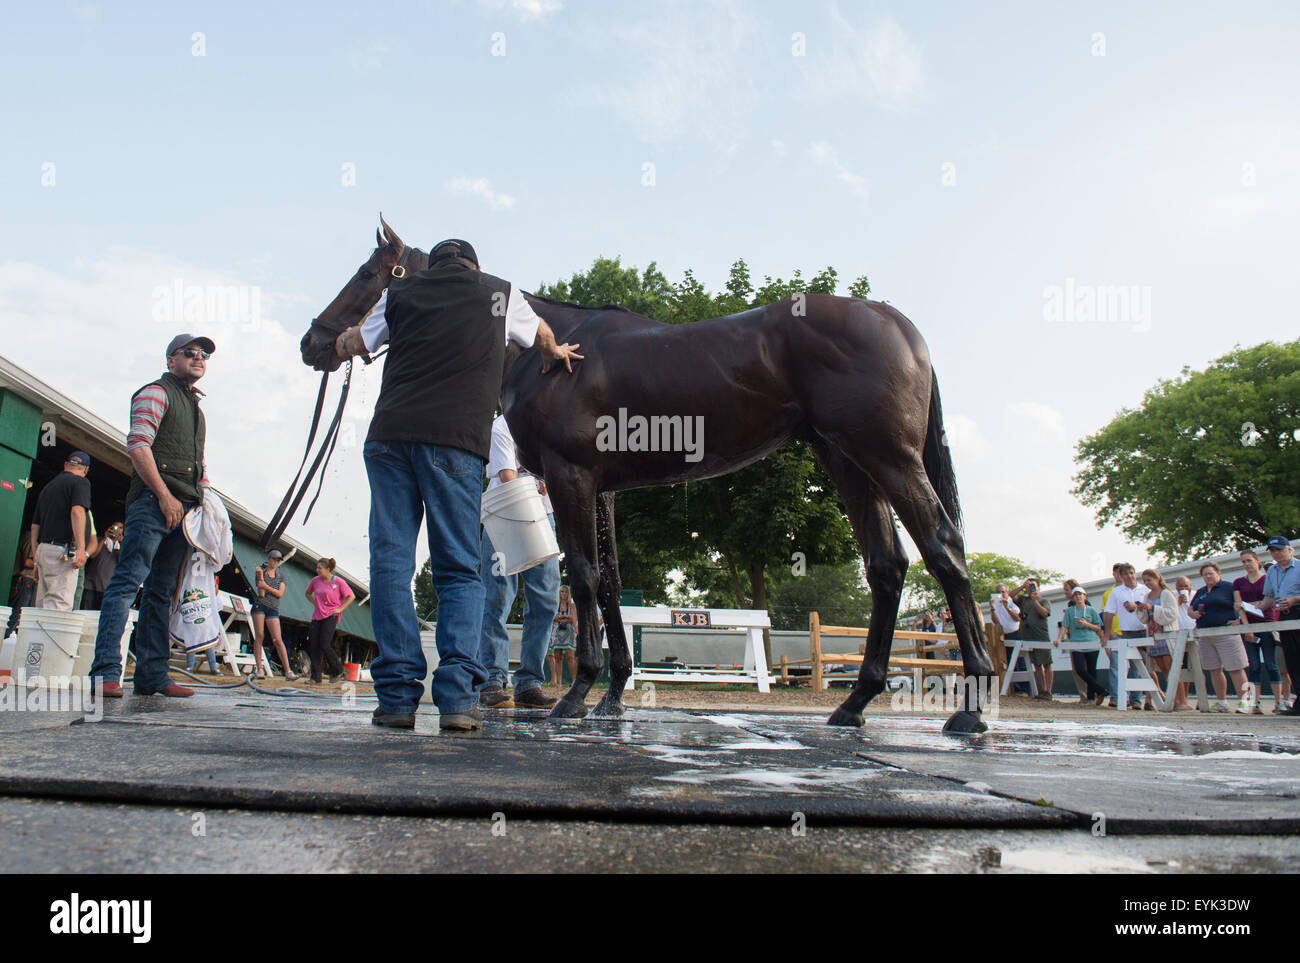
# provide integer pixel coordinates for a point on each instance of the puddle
(829, 780)
(1063, 860)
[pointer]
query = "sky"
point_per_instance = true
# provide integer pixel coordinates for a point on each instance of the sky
(1069, 204)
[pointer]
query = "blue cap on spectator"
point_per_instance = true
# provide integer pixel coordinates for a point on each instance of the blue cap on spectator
(1277, 541)
(77, 458)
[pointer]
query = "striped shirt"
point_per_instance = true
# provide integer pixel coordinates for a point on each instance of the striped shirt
(148, 405)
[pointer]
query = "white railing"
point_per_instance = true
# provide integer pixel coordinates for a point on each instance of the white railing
(753, 621)
(1132, 652)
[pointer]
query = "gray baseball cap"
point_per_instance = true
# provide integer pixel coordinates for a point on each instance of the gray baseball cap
(185, 340)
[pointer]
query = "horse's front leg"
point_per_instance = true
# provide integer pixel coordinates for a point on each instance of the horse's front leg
(608, 587)
(573, 496)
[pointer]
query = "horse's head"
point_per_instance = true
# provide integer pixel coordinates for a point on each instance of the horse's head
(392, 258)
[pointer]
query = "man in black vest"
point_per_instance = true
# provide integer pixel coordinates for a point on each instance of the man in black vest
(165, 445)
(446, 328)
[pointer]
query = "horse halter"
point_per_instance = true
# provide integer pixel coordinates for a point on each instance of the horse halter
(294, 496)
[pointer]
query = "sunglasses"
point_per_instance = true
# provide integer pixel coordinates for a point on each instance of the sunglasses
(193, 353)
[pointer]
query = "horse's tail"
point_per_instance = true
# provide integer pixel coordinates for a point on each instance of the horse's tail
(938, 459)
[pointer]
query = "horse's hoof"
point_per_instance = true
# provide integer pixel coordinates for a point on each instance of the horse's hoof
(564, 709)
(608, 709)
(966, 722)
(843, 717)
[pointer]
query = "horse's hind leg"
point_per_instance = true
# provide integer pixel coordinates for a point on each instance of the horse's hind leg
(607, 592)
(886, 562)
(941, 545)
(573, 496)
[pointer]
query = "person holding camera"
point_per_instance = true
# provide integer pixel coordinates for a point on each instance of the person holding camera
(1033, 628)
(1007, 614)
(268, 591)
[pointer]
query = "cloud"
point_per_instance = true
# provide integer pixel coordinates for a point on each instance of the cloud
(879, 64)
(482, 187)
(525, 10)
(368, 56)
(1014, 474)
(1043, 417)
(823, 155)
(113, 314)
(690, 70)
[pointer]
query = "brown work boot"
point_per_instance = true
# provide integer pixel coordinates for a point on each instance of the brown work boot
(533, 699)
(495, 697)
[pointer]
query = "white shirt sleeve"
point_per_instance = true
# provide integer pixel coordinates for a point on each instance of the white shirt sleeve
(1112, 602)
(521, 320)
(501, 452)
(374, 328)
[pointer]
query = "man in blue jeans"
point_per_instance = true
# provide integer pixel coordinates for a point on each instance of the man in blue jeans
(425, 453)
(165, 445)
(541, 599)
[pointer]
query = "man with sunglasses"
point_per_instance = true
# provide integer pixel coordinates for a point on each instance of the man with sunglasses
(165, 445)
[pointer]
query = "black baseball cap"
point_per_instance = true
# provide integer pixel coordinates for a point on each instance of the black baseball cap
(1279, 541)
(77, 458)
(453, 247)
(185, 340)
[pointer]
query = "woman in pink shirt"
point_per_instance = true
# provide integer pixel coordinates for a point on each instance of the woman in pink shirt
(330, 596)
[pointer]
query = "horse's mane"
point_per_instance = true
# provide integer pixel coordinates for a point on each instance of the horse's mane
(580, 307)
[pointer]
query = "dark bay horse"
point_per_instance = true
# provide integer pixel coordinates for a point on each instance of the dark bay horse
(850, 377)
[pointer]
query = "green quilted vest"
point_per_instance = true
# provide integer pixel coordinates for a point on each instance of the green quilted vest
(178, 446)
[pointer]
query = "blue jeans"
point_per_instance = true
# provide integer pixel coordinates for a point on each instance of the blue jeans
(1262, 651)
(192, 657)
(410, 483)
(1134, 698)
(154, 556)
(541, 602)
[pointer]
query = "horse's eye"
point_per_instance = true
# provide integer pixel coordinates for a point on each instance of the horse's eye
(367, 274)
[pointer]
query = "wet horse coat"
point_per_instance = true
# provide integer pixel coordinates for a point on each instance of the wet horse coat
(850, 377)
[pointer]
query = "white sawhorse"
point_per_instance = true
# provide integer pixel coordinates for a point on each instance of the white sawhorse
(1022, 645)
(1011, 676)
(1128, 652)
(1181, 643)
(753, 621)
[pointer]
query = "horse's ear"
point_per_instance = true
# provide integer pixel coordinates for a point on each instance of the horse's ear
(390, 236)
(379, 241)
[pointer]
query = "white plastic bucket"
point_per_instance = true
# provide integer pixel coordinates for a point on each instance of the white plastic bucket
(47, 643)
(516, 522)
(89, 631)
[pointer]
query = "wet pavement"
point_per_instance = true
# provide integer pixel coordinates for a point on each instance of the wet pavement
(57, 836)
(290, 779)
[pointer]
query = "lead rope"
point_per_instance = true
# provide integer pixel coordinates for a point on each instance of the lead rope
(289, 504)
(284, 514)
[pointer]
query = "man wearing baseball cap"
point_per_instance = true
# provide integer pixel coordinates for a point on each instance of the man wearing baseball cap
(165, 445)
(1282, 588)
(59, 533)
(429, 440)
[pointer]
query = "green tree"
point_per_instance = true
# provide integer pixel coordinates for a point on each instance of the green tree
(837, 593)
(1209, 462)
(921, 590)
